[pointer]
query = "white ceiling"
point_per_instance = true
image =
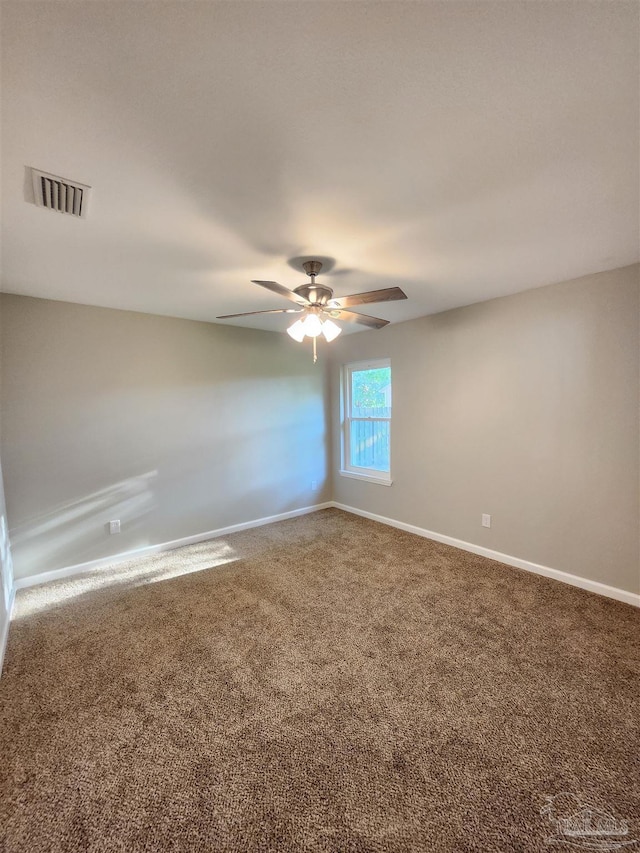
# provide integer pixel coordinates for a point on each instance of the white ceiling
(459, 150)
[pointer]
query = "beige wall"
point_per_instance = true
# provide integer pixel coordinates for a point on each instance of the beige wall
(524, 407)
(175, 427)
(6, 571)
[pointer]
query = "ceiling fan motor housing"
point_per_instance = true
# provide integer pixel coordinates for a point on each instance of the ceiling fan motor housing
(317, 294)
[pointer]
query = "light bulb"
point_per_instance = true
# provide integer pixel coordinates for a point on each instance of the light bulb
(312, 325)
(297, 331)
(330, 330)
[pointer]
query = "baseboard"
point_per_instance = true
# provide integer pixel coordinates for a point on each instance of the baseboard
(574, 580)
(147, 550)
(526, 565)
(5, 631)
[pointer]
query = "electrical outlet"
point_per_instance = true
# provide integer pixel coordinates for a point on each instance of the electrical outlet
(486, 520)
(314, 485)
(114, 526)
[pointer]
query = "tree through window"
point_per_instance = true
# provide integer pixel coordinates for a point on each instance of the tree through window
(367, 422)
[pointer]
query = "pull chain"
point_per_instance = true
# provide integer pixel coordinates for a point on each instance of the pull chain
(315, 354)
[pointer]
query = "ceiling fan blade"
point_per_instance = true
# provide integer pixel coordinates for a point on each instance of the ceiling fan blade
(386, 295)
(270, 311)
(281, 290)
(352, 317)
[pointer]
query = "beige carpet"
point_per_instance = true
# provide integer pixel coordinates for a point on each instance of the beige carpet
(330, 684)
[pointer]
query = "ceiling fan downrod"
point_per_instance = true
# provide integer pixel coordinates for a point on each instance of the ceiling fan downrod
(312, 268)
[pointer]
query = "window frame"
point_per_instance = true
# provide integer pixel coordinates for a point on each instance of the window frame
(370, 475)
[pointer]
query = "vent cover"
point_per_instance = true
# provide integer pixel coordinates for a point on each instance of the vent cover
(60, 194)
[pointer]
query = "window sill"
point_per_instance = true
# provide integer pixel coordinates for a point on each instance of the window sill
(369, 478)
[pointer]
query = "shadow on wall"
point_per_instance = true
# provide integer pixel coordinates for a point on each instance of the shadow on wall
(231, 450)
(75, 521)
(147, 570)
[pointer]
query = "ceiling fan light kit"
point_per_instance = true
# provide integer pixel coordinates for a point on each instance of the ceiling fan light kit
(297, 332)
(330, 330)
(318, 307)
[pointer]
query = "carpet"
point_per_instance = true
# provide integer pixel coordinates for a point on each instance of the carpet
(320, 684)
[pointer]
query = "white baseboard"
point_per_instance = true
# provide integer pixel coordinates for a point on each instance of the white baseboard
(555, 574)
(147, 550)
(5, 631)
(574, 580)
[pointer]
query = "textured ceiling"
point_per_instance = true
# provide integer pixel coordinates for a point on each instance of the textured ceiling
(460, 151)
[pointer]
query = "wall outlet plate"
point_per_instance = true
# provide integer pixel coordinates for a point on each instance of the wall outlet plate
(114, 526)
(486, 520)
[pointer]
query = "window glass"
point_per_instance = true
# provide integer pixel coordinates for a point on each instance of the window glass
(368, 417)
(370, 445)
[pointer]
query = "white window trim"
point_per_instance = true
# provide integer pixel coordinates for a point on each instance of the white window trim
(368, 475)
(368, 478)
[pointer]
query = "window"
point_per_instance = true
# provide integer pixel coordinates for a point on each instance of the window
(366, 422)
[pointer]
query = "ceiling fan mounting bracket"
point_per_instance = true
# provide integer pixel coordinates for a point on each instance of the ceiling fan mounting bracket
(312, 267)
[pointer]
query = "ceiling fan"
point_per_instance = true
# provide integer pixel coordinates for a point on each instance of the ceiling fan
(319, 307)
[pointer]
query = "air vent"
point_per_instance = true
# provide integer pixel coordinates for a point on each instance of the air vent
(60, 194)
